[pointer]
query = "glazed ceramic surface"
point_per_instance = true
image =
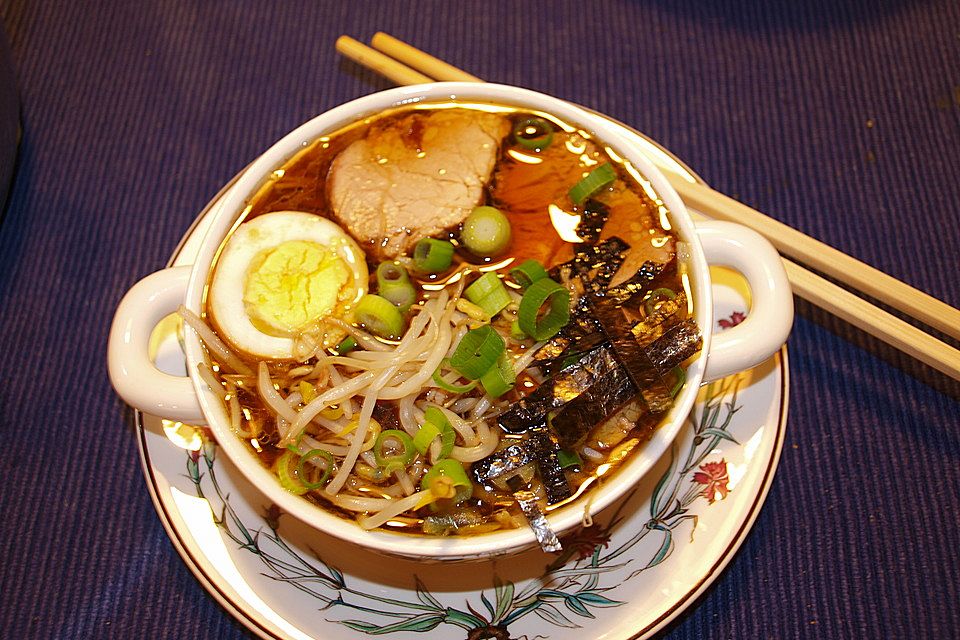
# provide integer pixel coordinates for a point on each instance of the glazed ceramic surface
(636, 567)
(708, 243)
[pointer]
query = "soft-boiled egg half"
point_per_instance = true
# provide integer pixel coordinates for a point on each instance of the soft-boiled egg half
(282, 274)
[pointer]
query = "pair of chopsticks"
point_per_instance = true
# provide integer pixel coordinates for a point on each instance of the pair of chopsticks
(405, 65)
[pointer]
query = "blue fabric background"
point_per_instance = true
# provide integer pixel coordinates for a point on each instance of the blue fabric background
(841, 120)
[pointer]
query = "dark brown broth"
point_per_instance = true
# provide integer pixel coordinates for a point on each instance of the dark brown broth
(526, 191)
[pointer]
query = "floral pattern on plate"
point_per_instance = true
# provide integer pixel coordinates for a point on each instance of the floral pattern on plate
(576, 586)
(639, 565)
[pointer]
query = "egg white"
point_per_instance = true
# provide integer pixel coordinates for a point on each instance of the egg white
(225, 297)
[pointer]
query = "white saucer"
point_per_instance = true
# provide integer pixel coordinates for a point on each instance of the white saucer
(635, 570)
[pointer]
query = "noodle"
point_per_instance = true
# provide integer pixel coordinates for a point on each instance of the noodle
(395, 508)
(487, 444)
(213, 342)
(317, 397)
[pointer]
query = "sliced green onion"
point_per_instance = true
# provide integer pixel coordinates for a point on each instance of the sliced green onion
(447, 435)
(528, 272)
(286, 464)
(488, 293)
(379, 316)
(477, 352)
(499, 378)
(447, 479)
(681, 375)
(425, 436)
(600, 177)
(655, 297)
(393, 461)
(568, 459)
(307, 470)
(435, 424)
(486, 232)
(533, 133)
(446, 386)
(394, 284)
(545, 326)
(347, 345)
(432, 256)
(516, 332)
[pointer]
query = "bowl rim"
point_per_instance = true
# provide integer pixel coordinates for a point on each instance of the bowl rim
(424, 547)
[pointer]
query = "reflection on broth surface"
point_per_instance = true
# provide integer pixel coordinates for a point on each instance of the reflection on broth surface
(452, 318)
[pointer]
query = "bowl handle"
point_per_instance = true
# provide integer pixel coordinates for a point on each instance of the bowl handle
(132, 373)
(768, 323)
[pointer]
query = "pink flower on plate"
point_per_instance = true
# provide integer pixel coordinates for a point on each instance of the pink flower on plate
(584, 541)
(735, 318)
(714, 477)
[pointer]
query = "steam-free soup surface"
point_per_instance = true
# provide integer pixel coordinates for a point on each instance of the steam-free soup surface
(392, 432)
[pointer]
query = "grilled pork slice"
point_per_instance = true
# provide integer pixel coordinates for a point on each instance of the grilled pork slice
(415, 176)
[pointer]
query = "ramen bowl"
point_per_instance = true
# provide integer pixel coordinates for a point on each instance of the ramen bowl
(190, 399)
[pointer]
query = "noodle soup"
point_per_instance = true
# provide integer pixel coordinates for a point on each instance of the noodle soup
(449, 319)
(450, 330)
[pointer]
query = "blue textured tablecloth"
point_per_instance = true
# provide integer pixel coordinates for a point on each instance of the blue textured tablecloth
(842, 120)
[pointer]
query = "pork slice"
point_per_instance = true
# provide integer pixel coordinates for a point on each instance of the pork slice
(415, 176)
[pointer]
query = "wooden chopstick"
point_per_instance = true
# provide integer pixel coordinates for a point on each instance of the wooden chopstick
(806, 284)
(436, 68)
(376, 61)
(822, 257)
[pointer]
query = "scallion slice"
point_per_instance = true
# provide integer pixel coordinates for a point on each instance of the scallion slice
(425, 436)
(681, 378)
(347, 345)
(393, 283)
(308, 469)
(448, 436)
(528, 272)
(477, 352)
(402, 454)
(499, 378)
(569, 459)
(516, 332)
(655, 297)
(379, 316)
(488, 293)
(544, 326)
(446, 386)
(432, 256)
(600, 177)
(486, 232)
(447, 479)
(533, 133)
(286, 465)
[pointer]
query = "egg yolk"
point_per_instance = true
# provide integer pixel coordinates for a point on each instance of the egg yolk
(292, 285)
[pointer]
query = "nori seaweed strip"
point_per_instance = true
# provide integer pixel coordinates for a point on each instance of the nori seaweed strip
(531, 510)
(548, 464)
(632, 356)
(608, 395)
(653, 326)
(579, 416)
(595, 266)
(638, 284)
(592, 218)
(556, 391)
(541, 449)
(677, 343)
(500, 462)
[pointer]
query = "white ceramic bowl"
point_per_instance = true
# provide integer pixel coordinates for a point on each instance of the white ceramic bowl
(190, 400)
